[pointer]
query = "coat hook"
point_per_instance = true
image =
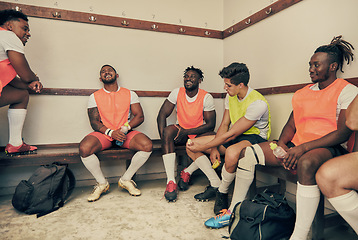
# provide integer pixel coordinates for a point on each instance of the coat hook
(207, 33)
(17, 8)
(56, 14)
(231, 30)
(268, 11)
(92, 18)
(154, 27)
(248, 21)
(182, 30)
(125, 23)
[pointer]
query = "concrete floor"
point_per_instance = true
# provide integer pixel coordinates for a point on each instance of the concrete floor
(117, 215)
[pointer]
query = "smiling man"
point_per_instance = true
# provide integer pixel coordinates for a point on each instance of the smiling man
(246, 121)
(16, 77)
(195, 116)
(109, 109)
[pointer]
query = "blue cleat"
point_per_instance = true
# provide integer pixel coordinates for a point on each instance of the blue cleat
(220, 221)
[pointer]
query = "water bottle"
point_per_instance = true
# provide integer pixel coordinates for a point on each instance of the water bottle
(278, 151)
(124, 129)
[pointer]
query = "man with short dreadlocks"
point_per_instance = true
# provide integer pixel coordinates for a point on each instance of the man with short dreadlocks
(313, 133)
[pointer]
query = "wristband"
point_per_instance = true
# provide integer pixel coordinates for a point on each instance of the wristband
(108, 132)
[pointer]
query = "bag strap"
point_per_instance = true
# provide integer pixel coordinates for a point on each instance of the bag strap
(270, 200)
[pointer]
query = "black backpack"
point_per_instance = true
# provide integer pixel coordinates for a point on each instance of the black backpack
(266, 217)
(45, 191)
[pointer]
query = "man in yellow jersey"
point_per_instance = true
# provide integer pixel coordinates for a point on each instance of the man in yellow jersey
(16, 77)
(195, 116)
(246, 121)
(109, 110)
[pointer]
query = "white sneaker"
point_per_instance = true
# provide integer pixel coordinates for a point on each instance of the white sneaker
(130, 186)
(97, 191)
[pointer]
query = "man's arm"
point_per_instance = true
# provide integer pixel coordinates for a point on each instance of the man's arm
(95, 120)
(21, 66)
(352, 115)
(164, 112)
(138, 115)
(287, 132)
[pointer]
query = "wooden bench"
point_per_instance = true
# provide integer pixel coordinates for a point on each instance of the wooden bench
(69, 154)
(320, 221)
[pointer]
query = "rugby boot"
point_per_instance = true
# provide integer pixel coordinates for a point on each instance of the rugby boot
(171, 192)
(209, 193)
(98, 190)
(219, 221)
(24, 148)
(221, 202)
(183, 183)
(130, 186)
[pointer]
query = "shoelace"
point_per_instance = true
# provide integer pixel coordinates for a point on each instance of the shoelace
(185, 176)
(223, 212)
(171, 186)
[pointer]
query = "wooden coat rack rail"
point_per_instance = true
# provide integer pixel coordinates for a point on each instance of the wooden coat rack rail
(92, 18)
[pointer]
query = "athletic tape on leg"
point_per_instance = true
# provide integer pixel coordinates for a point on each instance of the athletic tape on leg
(253, 155)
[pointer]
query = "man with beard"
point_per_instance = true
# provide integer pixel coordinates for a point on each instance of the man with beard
(109, 109)
(195, 116)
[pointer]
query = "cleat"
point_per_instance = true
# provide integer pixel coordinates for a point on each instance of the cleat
(23, 149)
(183, 183)
(209, 193)
(130, 186)
(98, 190)
(171, 192)
(219, 221)
(221, 202)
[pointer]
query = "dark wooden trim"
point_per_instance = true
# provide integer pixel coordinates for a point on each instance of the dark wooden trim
(92, 18)
(264, 91)
(258, 16)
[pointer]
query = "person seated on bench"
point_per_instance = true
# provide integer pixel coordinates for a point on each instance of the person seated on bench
(337, 178)
(109, 109)
(195, 117)
(16, 77)
(313, 133)
(248, 114)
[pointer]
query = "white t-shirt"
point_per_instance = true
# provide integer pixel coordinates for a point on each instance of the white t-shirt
(208, 104)
(9, 41)
(257, 111)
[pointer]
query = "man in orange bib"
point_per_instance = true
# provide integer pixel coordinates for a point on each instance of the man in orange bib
(314, 131)
(111, 109)
(16, 77)
(195, 116)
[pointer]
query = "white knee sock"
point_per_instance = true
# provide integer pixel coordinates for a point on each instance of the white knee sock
(226, 180)
(137, 161)
(243, 182)
(192, 168)
(16, 122)
(169, 165)
(204, 164)
(307, 200)
(245, 173)
(347, 206)
(92, 164)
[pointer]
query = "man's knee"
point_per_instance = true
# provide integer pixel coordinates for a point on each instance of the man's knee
(86, 149)
(326, 177)
(147, 146)
(308, 166)
(231, 157)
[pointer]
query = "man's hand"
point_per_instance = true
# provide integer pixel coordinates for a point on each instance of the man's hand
(119, 135)
(214, 155)
(194, 146)
(293, 154)
(180, 135)
(35, 86)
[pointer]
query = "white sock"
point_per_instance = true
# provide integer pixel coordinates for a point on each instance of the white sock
(169, 165)
(226, 180)
(137, 161)
(204, 164)
(192, 168)
(92, 164)
(307, 200)
(347, 206)
(16, 123)
(242, 184)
